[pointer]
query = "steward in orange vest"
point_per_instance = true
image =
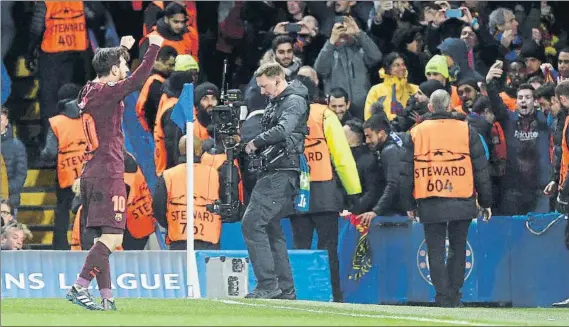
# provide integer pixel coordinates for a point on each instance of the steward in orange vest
(443, 180)
(445, 176)
(332, 168)
(151, 92)
(170, 201)
(154, 12)
(65, 27)
(65, 144)
(166, 132)
(59, 28)
(140, 218)
(172, 27)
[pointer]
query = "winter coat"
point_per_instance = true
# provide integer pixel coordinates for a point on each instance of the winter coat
(16, 159)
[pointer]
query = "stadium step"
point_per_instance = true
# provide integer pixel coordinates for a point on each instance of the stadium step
(38, 203)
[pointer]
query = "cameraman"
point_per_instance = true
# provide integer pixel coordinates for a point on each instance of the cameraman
(284, 129)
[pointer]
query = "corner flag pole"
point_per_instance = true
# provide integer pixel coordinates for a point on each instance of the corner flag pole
(192, 268)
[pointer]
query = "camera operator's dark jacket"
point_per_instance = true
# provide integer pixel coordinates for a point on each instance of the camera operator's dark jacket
(285, 125)
(436, 209)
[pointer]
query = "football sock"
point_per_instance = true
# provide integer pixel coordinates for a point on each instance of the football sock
(96, 262)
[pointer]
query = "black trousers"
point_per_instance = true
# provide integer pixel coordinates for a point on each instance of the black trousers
(61, 224)
(54, 71)
(326, 225)
(447, 278)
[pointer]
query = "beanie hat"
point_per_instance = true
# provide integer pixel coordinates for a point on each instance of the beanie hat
(437, 64)
(204, 89)
(186, 62)
(430, 86)
(532, 50)
(469, 79)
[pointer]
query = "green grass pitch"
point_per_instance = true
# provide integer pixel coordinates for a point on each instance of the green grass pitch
(241, 312)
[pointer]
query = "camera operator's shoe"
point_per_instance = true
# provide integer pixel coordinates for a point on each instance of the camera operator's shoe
(289, 294)
(562, 304)
(264, 294)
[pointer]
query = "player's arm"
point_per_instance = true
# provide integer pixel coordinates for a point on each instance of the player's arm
(140, 75)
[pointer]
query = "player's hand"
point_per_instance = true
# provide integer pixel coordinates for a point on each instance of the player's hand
(550, 188)
(127, 41)
(155, 39)
(366, 217)
(250, 147)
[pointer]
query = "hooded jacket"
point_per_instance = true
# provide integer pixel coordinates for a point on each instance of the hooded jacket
(285, 126)
(435, 209)
(66, 107)
(394, 93)
(16, 160)
(347, 66)
(391, 154)
(458, 51)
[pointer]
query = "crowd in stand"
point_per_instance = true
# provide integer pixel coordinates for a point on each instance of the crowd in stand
(358, 59)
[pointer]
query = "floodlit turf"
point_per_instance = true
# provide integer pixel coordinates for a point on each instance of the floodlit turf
(154, 312)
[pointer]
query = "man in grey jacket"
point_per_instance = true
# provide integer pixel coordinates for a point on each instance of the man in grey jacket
(284, 126)
(345, 60)
(16, 159)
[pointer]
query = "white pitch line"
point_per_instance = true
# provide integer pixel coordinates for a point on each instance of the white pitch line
(362, 315)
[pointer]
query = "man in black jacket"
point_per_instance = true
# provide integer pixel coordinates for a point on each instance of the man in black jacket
(369, 170)
(445, 176)
(282, 140)
(390, 146)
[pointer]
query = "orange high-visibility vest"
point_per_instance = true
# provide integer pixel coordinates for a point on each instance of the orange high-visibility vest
(207, 226)
(508, 101)
(315, 147)
(139, 215)
(143, 97)
(191, 13)
(71, 144)
(187, 45)
(65, 28)
(564, 157)
(160, 153)
(216, 161)
(442, 164)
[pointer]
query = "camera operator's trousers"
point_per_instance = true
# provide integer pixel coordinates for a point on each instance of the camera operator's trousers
(272, 197)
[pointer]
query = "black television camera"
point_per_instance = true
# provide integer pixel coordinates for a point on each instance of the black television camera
(226, 119)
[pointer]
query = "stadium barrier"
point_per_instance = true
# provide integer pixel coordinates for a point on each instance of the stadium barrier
(519, 260)
(145, 274)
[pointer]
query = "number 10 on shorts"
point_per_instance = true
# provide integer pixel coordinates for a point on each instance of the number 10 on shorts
(119, 203)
